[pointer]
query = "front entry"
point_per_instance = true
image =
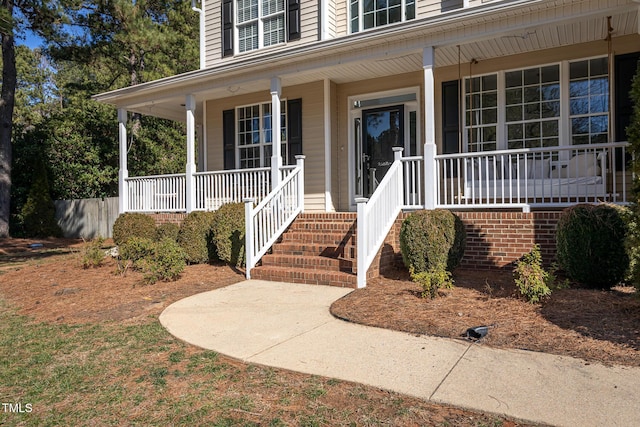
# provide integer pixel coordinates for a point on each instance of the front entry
(377, 131)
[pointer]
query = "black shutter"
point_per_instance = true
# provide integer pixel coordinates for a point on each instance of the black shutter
(227, 27)
(451, 120)
(293, 20)
(229, 139)
(450, 117)
(294, 129)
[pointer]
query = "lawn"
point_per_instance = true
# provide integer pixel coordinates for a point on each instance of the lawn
(84, 347)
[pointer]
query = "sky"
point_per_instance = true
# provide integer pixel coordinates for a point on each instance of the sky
(29, 39)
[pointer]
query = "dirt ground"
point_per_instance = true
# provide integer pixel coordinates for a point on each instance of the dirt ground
(49, 284)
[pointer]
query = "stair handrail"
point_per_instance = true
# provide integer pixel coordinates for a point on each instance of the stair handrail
(377, 214)
(265, 223)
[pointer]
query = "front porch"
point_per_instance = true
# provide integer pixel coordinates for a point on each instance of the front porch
(346, 249)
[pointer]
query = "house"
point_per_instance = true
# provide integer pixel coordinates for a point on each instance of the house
(501, 110)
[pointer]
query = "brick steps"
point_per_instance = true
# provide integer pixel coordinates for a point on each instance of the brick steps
(317, 248)
(309, 262)
(304, 275)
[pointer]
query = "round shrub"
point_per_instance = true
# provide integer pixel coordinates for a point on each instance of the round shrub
(591, 244)
(168, 231)
(136, 249)
(194, 237)
(432, 240)
(133, 224)
(166, 263)
(228, 233)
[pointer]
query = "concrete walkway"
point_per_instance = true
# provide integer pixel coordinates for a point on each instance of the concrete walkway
(289, 326)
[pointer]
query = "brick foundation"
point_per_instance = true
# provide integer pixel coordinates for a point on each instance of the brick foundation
(494, 239)
(164, 218)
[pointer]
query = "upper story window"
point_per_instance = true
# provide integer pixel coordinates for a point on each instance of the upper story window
(260, 23)
(366, 14)
(253, 24)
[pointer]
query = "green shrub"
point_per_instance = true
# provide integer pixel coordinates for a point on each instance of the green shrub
(228, 233)
(194, 237)
(165, 264)
(532, 280)
(432, 240)
(136, 249)
(92, 253)
(132, 224)
(168, 230)
(591, 244)
(432, 281)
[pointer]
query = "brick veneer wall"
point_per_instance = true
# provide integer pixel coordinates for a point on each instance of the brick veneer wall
(494, 239)
(164, 218)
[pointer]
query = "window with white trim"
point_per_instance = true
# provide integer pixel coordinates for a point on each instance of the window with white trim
(589, 101)
(526, 108)
(254, 134)
(532, 98)
(259, 23)
(366, 14)
(481, 112)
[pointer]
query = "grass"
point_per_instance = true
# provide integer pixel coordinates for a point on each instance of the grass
(112, 374)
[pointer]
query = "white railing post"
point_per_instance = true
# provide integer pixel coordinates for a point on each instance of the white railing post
(361, 239)
(190, 168)
(300, 164)
(397, 158)
(430, 176)
(276, 139)
(123, 185)
(248, 235)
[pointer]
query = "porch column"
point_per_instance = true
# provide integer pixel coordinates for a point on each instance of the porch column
(123, 174)
(430, 177)
(190, 169)
(276, 139)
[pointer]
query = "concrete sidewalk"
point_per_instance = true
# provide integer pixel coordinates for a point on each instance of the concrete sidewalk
(289, 326)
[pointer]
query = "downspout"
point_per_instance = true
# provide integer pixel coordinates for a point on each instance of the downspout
(200, 11)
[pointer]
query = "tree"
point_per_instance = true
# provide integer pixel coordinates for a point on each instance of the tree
(40, 16)
(7, 101)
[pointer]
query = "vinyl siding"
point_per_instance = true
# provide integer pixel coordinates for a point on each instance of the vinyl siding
(309, 16)
(312, 135)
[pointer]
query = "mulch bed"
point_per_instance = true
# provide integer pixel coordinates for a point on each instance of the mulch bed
(597, 326)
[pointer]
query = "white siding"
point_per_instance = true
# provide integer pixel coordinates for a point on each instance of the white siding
(309, 21)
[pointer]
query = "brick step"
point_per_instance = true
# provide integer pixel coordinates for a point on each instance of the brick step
(323, 238)
(315, 229)
(300, 275)
(338, 222)
(308, 262)
(314, 249)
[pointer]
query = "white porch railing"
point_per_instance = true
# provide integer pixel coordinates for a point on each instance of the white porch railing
(270, 218)
(158, 193)
(523, 178)
(377, 215)
(214, 189)
(167, 193)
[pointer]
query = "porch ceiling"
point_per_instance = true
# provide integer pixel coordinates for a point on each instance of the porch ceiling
(497, 30)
